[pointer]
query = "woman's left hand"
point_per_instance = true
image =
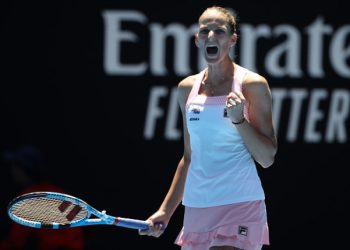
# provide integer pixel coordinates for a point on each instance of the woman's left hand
(235, 106)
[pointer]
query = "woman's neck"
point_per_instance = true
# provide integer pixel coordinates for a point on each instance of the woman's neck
(218, 74)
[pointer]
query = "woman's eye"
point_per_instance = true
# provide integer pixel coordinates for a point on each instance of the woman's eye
(219, 31)
(204, 31)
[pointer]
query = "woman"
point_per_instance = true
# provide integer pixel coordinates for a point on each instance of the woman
(227, 123)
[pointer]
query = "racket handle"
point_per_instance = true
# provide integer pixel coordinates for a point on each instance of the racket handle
(131, 223)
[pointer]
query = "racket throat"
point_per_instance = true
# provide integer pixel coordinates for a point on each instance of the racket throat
(116, 221)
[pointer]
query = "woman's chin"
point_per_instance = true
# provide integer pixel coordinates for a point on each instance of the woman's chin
(210, 59)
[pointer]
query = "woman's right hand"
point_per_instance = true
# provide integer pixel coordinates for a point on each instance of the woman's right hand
(157, 224)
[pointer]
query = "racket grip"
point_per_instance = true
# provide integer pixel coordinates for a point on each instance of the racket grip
(131, 223)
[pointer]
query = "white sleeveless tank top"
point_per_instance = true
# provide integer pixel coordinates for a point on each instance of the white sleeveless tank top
(222, 170)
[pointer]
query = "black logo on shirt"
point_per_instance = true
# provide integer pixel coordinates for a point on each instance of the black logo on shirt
(196, 111)
(225, 113)
(243, 230)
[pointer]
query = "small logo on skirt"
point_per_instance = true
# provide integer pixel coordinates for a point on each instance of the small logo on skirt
(243, 230)
(225, 113)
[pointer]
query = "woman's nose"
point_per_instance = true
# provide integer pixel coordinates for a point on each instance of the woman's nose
(211, 33)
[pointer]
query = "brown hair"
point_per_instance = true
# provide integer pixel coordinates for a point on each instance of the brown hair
(231, 17)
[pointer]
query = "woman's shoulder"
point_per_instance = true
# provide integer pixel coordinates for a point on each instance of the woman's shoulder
(188, 81)
(252, 78)
(186, 84)
(254, 83)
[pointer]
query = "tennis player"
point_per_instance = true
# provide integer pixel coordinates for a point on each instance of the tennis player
(228, 132)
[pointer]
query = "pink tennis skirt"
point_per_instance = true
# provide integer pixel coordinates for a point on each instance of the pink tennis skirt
(241, 225)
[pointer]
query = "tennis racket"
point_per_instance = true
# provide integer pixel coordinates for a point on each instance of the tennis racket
(57, 210)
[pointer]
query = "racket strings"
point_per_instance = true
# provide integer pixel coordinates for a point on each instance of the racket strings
(48, 211)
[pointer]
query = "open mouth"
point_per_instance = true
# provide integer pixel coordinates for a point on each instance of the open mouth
(212, 50)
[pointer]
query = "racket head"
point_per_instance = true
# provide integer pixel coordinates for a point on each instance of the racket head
(48, 210)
